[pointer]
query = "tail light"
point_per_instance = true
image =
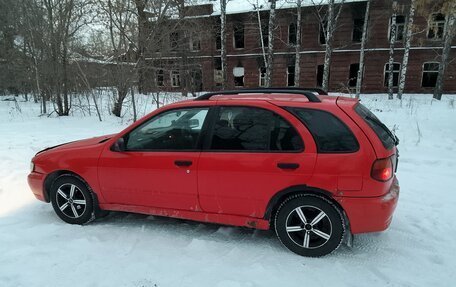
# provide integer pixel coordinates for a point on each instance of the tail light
(382, 169)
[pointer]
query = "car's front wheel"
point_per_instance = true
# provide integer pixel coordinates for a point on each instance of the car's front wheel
(309, 225)
(72, 200)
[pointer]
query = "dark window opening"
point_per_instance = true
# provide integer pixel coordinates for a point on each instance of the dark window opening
(292, 30)
(265, 34)
(195, 44)
(291, 76)
(218, 40)
(430, 73)
(400, 27)
(357, 34)
(331, 135)
(262, 80)
(353, 76)
(218, 75)
(436, 26)
(253, 129)
(160, 78)
(323, 29)
(320, 69)
(238, 35)
(396, 71)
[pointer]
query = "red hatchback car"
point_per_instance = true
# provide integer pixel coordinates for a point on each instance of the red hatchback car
(315, 168)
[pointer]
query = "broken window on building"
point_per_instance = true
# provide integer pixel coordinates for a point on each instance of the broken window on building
(195, 42)
(175, 78)
(238, 73)
(323, 28)
(292, 30)
(218, 75)
(430, 73)
(291, 76)
(400, 27)
(262, 74)
(320, 69)
(160, 78)
(265, 34)
(436, 26)
(396, 70)
(353, 75)
(357, 34)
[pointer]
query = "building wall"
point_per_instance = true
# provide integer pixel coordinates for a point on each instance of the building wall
(312, 52)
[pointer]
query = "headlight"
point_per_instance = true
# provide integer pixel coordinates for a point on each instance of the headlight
(32, 166)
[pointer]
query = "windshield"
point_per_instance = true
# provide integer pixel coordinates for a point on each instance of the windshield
(388, 139)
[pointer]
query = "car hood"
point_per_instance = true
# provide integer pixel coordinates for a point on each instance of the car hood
(79, 143)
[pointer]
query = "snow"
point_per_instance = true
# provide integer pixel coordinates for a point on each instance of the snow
(38, 249)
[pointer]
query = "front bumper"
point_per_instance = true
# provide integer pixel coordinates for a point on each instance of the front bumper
(36, 183)
(371, 214)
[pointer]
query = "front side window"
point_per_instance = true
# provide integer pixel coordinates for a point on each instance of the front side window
(430, 73)
(331, 135)
(171, 130)
(253, 129)
(396, 70)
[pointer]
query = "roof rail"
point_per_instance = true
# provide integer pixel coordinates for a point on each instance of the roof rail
(308, 93)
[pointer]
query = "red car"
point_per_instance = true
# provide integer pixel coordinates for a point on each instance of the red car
(315, 168)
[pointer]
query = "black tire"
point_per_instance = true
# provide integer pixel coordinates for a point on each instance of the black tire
(75, 209)
(309, 225)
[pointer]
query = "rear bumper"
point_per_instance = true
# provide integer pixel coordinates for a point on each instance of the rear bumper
(371, 214)
(36, 183)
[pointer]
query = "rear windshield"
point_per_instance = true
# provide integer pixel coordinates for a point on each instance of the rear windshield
(387, 138)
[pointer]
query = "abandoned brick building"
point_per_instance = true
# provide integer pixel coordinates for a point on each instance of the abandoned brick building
(187, 54)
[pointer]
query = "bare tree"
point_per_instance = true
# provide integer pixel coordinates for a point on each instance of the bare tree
(271, 30)
(223, 42)
(328, 22)
(297, 75)
(407, 44)
(359, 78)
(393, 30)
(449, 32)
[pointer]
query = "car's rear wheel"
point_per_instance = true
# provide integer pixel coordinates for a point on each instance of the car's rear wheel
(309, 225)
(72, 199)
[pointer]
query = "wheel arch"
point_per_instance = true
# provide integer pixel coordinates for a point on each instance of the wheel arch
(282, 195)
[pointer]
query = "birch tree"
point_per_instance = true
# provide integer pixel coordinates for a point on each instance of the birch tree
(328, 22)
(271, 29)
(297, 75)
(407, 44)
(223, 42)
(449, 32)
(359, 78)
(393, 29)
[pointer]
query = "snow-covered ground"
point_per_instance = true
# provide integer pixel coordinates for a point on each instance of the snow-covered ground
(38, 249)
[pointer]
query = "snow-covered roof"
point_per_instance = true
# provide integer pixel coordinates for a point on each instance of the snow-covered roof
(244, 6)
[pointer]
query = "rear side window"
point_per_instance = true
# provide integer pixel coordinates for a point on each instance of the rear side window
(384, 134)
(330, 134)
(253, 129)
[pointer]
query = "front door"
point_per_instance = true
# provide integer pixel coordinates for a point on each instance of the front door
(159, 165)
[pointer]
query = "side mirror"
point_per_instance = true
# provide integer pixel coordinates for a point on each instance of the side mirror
(193, 123)
(119, 145)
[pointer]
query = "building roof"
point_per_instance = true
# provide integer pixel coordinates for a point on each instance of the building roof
(244, 6)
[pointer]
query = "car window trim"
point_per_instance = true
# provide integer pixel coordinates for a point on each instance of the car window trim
(206, 147)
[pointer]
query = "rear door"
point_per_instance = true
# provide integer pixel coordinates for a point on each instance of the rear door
(252, 151)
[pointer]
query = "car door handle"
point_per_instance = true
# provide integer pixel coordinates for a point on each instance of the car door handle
(183, 162)
(286, 165)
